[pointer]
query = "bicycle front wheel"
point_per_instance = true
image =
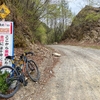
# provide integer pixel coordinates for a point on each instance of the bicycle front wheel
(8, 86)
(32, 70)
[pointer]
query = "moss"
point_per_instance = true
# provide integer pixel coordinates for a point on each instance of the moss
(92, 17)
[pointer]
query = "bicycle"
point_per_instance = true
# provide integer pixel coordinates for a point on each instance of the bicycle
(23, 67)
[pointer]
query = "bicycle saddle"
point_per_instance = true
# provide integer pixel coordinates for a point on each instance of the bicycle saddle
(10, 57)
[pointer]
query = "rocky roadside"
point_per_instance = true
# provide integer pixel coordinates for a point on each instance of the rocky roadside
(45, 60)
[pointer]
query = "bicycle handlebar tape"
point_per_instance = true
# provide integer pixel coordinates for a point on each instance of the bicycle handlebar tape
(29, 53)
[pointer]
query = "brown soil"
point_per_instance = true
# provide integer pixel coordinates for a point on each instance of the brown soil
(45, 61)
(80, 43)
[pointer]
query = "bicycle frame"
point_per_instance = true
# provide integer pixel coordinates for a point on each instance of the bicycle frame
(21, 71)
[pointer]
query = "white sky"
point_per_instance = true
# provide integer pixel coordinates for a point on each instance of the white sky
(76, 5)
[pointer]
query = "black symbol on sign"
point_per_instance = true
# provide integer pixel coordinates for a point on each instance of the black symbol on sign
(2, 11)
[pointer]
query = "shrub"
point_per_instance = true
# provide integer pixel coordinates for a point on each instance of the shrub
(41, 34)
(92, 17)
(20, 41)
(3, 84)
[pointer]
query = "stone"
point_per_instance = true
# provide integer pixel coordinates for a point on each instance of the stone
(56, 54)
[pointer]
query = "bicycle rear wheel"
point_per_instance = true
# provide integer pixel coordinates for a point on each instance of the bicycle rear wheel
(8, 85)
(32, 70)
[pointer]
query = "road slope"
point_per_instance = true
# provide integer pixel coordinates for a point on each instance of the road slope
(77, 75)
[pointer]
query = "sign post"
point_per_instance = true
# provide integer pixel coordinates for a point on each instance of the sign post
(6, 36)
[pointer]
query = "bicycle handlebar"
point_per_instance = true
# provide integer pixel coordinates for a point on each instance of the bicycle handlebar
(26, 53)
(22, 55)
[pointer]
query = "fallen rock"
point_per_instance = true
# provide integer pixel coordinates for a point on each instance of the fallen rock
(56, 54)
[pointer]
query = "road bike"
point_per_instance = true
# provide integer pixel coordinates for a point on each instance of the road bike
(22, 68)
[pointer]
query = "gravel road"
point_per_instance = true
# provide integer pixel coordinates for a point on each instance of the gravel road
(76, 76)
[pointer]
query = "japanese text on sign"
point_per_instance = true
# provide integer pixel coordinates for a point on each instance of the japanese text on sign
(6, 42)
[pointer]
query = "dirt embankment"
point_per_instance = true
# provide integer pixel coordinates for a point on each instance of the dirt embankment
(85, 26)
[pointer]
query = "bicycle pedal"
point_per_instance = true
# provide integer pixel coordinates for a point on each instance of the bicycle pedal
(25, 83)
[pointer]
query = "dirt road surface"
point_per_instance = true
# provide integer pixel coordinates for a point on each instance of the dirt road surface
(77, 75)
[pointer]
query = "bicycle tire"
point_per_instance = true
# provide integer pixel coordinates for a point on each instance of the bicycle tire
(15, 88)
(32, 70)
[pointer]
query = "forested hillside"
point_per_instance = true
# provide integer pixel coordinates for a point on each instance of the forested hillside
(85, 26)
(37, 21)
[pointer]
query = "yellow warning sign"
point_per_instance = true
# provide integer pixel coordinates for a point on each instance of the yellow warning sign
(4, 11)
